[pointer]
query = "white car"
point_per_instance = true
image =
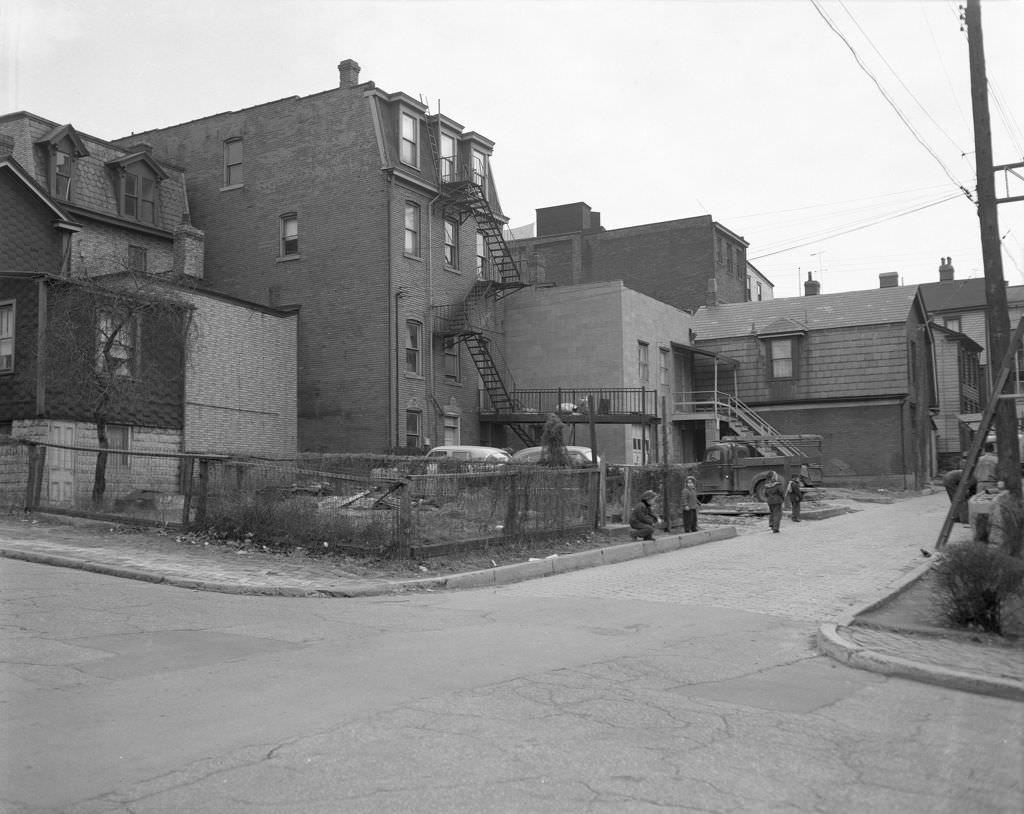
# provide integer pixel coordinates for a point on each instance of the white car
(475, 458)
(578, 456)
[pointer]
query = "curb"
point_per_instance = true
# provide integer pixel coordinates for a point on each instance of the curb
(501, 575)
(830, 642)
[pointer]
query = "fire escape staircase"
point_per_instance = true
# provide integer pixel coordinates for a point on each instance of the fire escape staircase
(463, 194)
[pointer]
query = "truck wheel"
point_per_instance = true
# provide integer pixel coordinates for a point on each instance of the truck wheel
(758, 491)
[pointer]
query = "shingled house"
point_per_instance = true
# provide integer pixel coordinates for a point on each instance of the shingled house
(856, 368)
(82, 221)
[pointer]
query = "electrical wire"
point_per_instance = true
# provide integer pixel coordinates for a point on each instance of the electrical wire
(888, 98)
(810, 241)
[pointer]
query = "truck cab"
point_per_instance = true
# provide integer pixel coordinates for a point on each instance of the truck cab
(741, 466)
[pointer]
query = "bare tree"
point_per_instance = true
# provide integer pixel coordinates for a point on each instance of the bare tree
(116, 347)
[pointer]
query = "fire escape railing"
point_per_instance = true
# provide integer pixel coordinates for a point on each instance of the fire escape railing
(462, 192)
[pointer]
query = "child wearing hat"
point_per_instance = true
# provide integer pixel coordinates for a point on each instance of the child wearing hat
(643, 519)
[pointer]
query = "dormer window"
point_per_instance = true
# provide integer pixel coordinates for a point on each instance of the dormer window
(409, 151)
(137, 177)
(62, 169)
(448, 148)
(63, 147)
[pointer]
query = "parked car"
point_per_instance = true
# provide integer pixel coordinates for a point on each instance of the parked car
(578, 456)
(464, 458)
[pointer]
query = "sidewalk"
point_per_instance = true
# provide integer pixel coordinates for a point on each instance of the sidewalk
(954, 661)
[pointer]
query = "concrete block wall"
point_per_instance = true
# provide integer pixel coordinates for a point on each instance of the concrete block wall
(240, 380)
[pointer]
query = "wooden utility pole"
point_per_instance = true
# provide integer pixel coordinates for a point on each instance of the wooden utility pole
(997, 311)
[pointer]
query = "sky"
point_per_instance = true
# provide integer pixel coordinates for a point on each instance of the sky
(835, 136)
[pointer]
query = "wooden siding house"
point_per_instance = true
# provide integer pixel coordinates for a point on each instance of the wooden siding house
(856, 368)
(961, 392)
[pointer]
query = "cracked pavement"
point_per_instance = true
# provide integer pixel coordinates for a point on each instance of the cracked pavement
(679, 682)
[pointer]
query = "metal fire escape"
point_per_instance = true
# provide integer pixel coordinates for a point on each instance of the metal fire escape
(463, 195)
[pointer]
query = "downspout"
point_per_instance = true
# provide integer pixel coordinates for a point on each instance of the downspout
(41, 331)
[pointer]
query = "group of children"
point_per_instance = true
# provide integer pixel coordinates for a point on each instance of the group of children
(642, 519)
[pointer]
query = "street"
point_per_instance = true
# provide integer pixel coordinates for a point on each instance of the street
(682, 682)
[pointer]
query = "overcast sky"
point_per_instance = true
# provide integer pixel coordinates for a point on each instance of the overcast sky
(756, 113)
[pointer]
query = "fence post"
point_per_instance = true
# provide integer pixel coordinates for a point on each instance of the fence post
(36, 467)
(187, 468)
(204, 488)
(404, 530)
(512, 505)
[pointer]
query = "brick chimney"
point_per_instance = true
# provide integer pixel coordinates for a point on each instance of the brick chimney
(189, 249)
(946, 272)
(811, 287)
(348, 73)
(889, 279)
(712, 296)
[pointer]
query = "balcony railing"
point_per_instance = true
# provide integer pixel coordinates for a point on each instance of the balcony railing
(575, 402)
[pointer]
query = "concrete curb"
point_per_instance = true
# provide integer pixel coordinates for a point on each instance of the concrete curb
(830, 642)
(500, 575)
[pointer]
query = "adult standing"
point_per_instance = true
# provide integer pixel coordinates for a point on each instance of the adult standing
(690, 504)
(642, 519)
(985, 475)
(775, 495)
(951, 481)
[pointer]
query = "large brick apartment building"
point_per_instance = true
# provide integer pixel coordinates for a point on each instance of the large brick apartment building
(685, 263)
(382, 223)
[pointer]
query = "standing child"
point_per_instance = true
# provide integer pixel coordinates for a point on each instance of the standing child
(774, 495)
(690, 504)
(795, 493)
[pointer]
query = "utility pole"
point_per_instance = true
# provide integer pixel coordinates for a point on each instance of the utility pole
(997, 311)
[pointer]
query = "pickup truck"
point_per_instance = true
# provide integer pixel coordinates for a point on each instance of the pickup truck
(740, 466)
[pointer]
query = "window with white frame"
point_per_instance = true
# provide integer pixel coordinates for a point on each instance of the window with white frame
(412, 229)
(413, 347)
(138, 194)
(782, 358)
(482, 257)
(289, 234)
(452, 430)
(452, 363)
(413, 428)
(410, 140)
(233, 175)
(6, 337)
(451, 243)
(116, 342)
(479, 168)
(643, 361)
(953, 323)
(448, 157)
(663, 362)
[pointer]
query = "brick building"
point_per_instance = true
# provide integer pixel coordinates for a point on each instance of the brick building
(383, 223)
(685, 263)
(856, 368)
(598, 336)
(75, 210)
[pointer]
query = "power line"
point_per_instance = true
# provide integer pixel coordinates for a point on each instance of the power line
(892, 104)
(818, 239)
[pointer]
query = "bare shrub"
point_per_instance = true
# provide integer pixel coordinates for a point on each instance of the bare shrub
(300, 522)
(976, 583)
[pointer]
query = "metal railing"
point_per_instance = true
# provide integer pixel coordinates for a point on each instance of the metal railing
(576, 401)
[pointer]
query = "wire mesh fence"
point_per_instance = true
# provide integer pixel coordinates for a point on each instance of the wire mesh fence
(375, 504)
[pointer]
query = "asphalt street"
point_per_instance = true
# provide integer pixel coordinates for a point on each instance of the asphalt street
(686, 681)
